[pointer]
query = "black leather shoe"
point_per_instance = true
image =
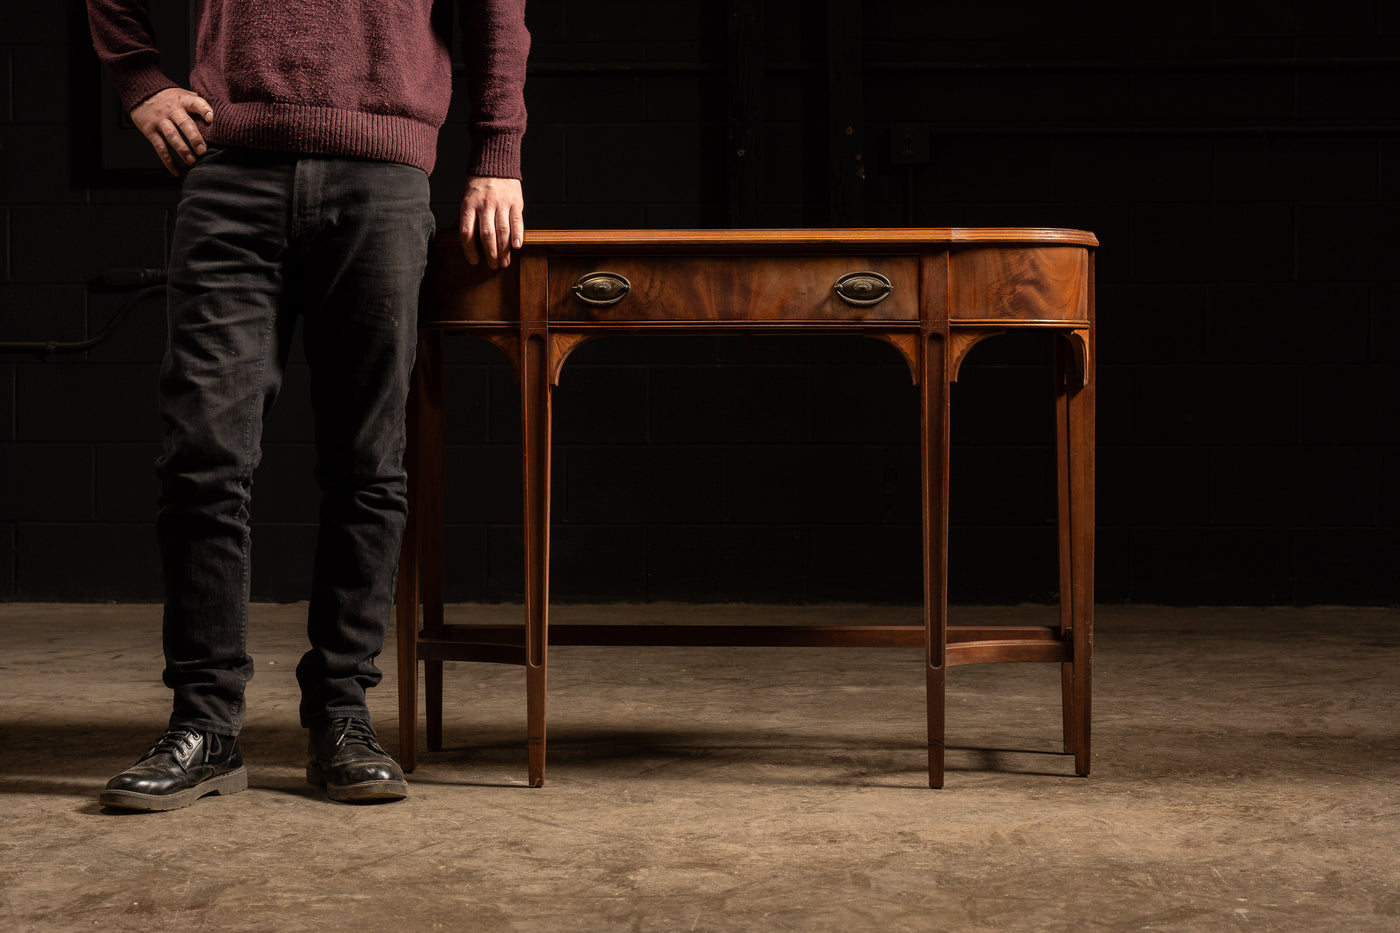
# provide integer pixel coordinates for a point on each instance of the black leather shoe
(347, 761)
(181, 767)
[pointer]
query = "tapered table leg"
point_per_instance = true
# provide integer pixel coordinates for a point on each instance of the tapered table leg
(934, 440)
(535, 414)
(1064, 494)
(406, 624)
(535, 399)
(431, 416)
(406, 598)
(1074, 442)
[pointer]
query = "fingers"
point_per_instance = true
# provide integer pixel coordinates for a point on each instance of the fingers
(468, 231)
(486, 228)
(517, 226)
(168, 120)
(493, 220)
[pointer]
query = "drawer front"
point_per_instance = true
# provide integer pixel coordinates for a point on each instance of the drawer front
(1019, 283)
(733, 288)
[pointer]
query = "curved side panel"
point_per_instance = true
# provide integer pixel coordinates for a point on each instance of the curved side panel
(456, 292)
(1019, 283)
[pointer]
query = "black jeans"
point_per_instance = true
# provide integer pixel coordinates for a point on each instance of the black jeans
(260, 240)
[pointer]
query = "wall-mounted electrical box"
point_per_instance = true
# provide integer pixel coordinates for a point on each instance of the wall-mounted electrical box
(909, 143)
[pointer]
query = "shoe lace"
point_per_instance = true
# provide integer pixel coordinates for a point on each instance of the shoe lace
(355, 732)
(173, 741)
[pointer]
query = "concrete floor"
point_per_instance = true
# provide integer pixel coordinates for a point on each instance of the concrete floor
(1246, 776)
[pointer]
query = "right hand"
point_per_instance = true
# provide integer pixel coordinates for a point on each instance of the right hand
(167, 120)
(492, 220)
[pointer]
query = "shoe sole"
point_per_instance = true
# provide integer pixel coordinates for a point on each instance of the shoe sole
(357, 793)
(230, 783)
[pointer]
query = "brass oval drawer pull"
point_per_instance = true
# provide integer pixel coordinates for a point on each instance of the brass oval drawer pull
(602, 288)
(863, 289)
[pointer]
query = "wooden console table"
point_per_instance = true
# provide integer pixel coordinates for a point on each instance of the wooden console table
(931, 293)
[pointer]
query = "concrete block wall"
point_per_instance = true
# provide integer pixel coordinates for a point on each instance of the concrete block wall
(1249, 299)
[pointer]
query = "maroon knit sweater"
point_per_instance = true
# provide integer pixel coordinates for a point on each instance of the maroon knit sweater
(366, 78)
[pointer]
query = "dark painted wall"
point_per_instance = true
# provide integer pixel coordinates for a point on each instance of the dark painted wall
(1239, 161)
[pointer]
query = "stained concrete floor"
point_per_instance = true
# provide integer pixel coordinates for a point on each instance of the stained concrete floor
(1246, 776)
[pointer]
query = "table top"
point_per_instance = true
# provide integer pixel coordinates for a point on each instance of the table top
(809, 237)
(886, 277)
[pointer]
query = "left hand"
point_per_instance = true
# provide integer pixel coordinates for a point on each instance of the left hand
(492, 220)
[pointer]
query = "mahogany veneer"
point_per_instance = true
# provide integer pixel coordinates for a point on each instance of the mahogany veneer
(931, 293)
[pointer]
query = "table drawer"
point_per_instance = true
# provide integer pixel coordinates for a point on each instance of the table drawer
(738, 288)
(1000, 283)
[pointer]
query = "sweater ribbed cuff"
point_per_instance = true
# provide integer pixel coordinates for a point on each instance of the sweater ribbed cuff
(495, 155)
(136, 79)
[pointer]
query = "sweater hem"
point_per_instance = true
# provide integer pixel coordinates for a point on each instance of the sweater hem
(328, 131)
